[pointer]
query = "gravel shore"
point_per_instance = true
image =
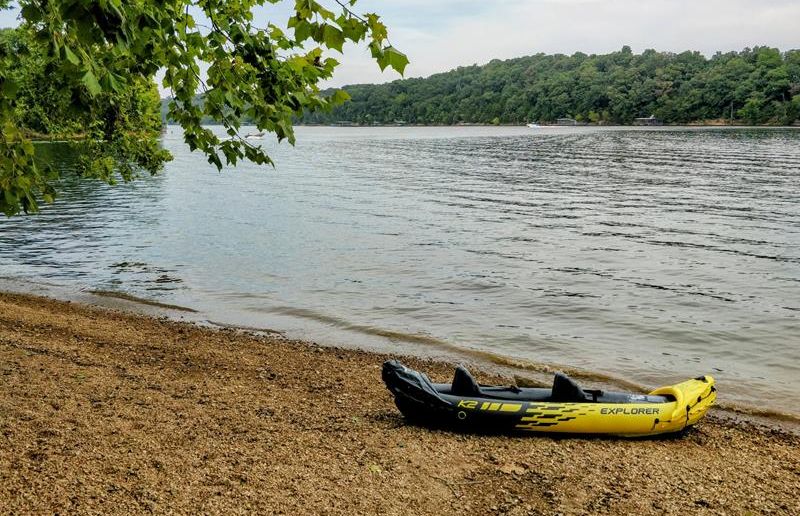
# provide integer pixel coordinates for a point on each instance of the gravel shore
(109, 412)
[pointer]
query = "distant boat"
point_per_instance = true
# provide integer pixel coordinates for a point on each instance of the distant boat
(254, 136)
(534, 126)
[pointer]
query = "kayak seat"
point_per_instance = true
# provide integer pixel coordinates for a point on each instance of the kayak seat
(566, 390)
(464, 384)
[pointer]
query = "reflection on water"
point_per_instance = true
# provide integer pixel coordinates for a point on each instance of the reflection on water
(647, 254)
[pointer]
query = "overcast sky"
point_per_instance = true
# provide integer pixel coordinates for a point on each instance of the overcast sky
(439, 35)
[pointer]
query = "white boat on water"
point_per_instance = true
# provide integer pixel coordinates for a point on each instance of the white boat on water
(534, 126)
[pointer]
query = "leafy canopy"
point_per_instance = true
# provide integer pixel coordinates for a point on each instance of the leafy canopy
(99, 49)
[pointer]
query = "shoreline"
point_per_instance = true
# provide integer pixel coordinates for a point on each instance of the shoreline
(549, 126)
(522, 125)
(104, 410)
(522, 371)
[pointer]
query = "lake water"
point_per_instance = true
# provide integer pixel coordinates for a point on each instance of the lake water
(649, 255)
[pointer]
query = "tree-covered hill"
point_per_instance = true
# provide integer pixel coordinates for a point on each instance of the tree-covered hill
(754, 86)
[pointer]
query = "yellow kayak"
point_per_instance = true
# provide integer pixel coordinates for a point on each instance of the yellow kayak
(566, 408)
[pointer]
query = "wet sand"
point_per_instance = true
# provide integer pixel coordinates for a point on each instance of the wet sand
(109, 412)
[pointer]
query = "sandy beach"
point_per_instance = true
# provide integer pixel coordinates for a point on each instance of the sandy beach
(104, 411)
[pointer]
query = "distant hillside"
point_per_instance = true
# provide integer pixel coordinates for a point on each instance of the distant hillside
(164, 109)
(756, 86)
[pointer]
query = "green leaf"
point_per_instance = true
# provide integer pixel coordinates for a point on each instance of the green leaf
(395, 59)
(302, 30)
(90, 81)
(353, 29)
(333, 37)
(376, 28)
(71, 57)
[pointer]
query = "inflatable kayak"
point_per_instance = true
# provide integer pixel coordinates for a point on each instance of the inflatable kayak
(566, 408)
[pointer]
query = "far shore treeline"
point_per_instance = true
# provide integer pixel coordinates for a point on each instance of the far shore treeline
(755, 86)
